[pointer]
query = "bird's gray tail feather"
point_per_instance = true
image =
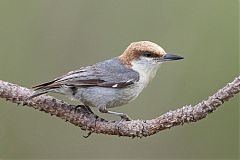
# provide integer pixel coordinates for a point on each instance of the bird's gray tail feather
(37, 93)
(43, 89)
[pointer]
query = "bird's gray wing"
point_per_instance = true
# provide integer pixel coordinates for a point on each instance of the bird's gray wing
(109, 73)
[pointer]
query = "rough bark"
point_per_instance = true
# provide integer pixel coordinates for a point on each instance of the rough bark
(135, 128)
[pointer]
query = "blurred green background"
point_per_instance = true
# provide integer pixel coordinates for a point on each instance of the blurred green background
(42, 39)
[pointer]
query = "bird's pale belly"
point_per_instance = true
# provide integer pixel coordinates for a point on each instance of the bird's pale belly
(108, 97)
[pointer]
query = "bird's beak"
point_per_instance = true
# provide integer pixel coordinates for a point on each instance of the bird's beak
(170, 57)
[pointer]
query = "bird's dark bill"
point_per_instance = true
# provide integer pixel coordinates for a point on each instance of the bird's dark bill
(171, 57)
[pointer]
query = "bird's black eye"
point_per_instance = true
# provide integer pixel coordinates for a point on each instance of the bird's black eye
(147, 54)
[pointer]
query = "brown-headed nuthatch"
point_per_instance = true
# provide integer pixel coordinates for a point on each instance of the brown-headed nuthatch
(113, 82)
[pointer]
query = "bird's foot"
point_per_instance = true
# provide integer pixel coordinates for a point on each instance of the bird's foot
(125, 117)
(119, 122)
(88, 134)
(86, 108)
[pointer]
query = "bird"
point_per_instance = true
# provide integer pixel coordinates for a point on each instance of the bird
(113, 82)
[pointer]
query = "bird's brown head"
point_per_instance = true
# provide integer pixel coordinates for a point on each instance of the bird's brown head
(145, 49)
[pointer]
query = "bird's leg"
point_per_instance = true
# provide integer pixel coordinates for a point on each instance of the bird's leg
(123, 116)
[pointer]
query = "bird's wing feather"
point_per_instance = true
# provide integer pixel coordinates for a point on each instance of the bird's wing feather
(109, 73)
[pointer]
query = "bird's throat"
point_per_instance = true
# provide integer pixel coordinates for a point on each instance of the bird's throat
(146, 72)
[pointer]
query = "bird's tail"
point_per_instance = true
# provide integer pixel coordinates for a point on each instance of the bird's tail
(43, 89)
(37, 93)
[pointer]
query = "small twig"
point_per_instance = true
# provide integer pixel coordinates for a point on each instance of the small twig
(135, 128)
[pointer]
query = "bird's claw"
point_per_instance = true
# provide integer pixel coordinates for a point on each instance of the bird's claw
(86, 108)
(88, 134)
(125, 118)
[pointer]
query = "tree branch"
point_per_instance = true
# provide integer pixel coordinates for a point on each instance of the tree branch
(135, 128)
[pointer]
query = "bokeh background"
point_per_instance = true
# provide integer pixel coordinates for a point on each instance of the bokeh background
(42, 39)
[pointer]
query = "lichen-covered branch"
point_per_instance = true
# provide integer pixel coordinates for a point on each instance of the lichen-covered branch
(135, 128)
